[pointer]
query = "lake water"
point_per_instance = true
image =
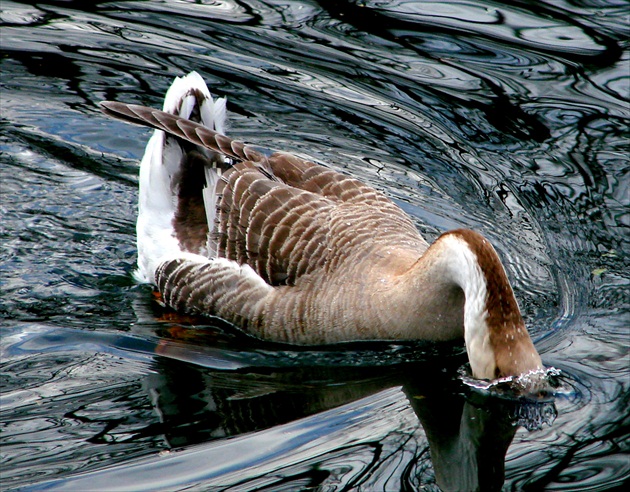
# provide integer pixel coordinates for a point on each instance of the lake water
(509, 118)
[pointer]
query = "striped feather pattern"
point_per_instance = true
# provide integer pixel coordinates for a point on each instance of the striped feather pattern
(235, 293)
(181, 127)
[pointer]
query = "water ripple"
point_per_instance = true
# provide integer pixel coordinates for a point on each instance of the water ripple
(508, 118)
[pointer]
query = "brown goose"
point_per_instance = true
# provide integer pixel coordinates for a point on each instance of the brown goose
(295, 252)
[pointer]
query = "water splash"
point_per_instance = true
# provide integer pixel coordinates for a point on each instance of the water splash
(534, 415)
(529, 399)
(539, 380)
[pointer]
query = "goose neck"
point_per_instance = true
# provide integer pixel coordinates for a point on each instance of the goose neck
(496, 339)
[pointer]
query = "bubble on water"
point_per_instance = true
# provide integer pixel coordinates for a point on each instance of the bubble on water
(534, 415)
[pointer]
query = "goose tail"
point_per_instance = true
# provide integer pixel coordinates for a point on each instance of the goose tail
(177, 200)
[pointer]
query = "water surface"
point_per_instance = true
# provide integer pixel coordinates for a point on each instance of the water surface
(509, 118)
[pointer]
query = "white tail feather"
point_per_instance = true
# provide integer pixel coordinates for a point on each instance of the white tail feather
(159, 172)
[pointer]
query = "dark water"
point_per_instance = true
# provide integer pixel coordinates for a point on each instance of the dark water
(510, 118)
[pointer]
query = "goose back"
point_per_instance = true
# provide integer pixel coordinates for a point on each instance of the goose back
(282, 215)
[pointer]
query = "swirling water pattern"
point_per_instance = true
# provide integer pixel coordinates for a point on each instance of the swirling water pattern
(510, 118)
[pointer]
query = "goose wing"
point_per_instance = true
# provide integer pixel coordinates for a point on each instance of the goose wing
(285, 216)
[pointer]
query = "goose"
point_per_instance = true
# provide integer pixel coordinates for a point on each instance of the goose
(292, 251)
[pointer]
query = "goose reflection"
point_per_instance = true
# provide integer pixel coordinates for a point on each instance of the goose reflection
(467, 433)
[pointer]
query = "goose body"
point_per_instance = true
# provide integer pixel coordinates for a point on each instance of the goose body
(295, 252)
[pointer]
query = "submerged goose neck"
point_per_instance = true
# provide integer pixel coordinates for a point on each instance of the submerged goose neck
(497, 341)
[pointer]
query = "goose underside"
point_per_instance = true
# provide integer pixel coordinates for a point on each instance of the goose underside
(190, 222)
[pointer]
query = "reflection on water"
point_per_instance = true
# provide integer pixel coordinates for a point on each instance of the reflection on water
(466, 436)
(510, 118)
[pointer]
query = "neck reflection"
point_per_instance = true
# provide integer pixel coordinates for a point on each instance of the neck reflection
(467, 437)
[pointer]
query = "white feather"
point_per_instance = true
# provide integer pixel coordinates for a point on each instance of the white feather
(160, 164)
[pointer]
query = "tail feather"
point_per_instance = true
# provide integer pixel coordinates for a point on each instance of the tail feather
(185, 129)
(177, 181)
